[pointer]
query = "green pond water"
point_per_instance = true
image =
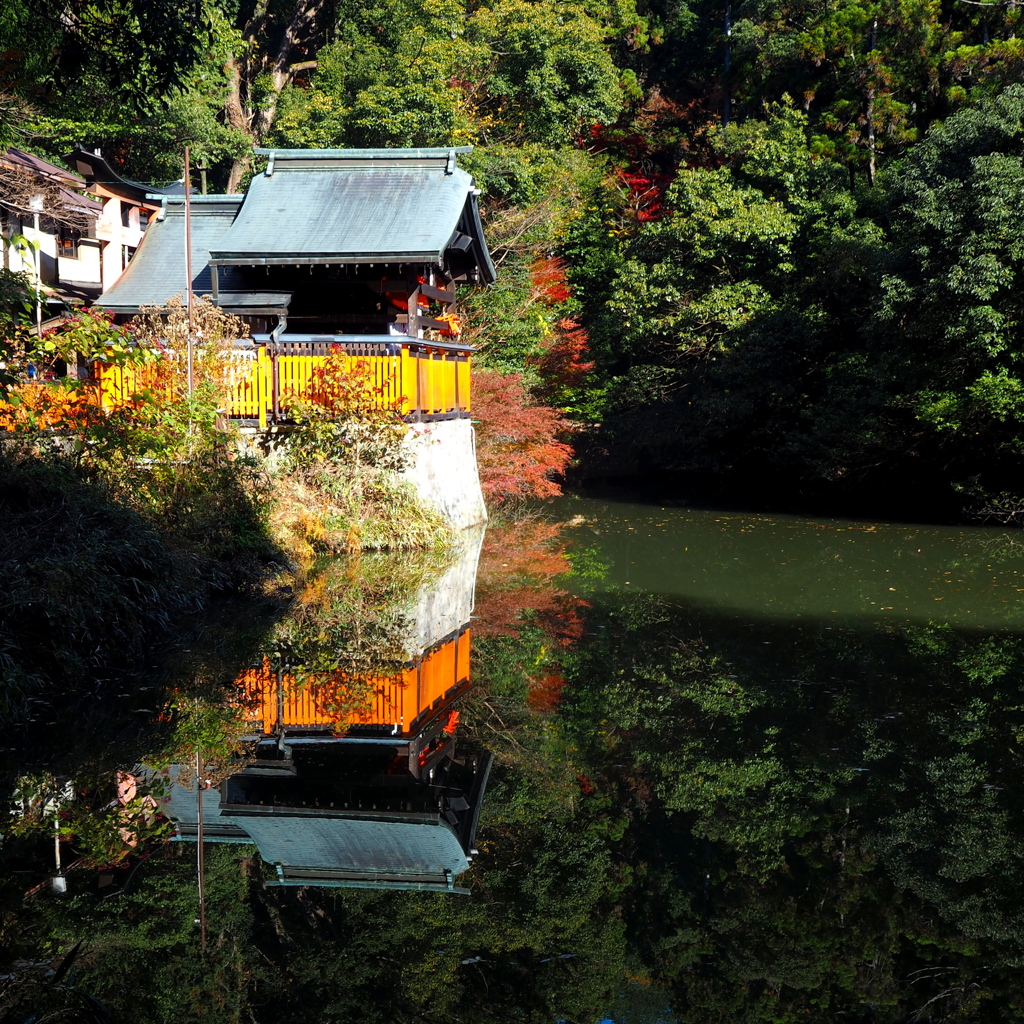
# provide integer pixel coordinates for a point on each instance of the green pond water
(791, 567)
(823, 720)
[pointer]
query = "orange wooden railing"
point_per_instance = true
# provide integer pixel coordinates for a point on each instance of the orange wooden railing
(419, 380)
(406, 699)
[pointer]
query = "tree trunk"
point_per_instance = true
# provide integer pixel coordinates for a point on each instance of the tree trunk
(234, 114)
(871, 134)
(243, 71)
(280, 71)
(871, 106)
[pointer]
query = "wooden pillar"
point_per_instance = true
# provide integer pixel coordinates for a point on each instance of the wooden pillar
(414, 305)
(263, 390)
(450, 287)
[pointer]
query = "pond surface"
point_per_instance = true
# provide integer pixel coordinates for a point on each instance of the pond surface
(689, 766)
(789, 567)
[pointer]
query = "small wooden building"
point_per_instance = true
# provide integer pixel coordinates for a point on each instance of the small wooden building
(126, 209)
(362, 250)
(68, 245)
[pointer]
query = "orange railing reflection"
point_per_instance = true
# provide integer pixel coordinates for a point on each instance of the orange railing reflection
(398, 703)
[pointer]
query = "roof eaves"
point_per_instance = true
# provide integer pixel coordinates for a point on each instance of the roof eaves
(178, 199)
(328, 882)
(77, 201)
(97, 171)
(29, 161)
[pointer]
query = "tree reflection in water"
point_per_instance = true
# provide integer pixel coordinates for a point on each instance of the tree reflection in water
(693, 815)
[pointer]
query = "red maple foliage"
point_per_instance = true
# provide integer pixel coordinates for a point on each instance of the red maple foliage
(645, 193)
(648, 144)
(550, 282)
(518, 451)
(562, 366)
(519, 565)
(545, 691)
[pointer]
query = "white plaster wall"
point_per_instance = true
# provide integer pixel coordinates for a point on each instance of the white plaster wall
(114, 235)
(25, 260)
(444, 473)
(17, 259)
(84, 270)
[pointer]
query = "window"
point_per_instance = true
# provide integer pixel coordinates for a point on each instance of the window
(67, 242)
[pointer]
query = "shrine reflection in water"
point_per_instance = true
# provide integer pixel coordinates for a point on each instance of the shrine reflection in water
(354, 779)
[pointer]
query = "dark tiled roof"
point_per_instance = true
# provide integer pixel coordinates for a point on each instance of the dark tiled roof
(157, 271)
(76, 201)
(348, 206)
(96, 169)
(31, 162)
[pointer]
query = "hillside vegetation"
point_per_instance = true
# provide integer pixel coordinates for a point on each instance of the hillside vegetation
(770, 245)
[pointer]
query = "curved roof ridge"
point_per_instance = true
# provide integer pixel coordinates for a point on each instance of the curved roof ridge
(439, 152)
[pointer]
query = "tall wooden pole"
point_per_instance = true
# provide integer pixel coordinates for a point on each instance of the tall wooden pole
(39, 268)
(188, 269)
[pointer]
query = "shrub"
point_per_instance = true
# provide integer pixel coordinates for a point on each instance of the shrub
(340, 488)
(518, 451)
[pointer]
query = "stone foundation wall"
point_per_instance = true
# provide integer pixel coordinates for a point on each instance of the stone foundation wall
(444, 473)
(443, 469)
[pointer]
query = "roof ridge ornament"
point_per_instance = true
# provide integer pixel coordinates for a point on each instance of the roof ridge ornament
(449, 167)
(270, 165)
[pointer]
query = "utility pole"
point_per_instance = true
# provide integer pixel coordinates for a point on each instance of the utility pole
(188, 271)
(36, 205)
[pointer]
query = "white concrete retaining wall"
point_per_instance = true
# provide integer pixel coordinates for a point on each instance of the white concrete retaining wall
(443, 470)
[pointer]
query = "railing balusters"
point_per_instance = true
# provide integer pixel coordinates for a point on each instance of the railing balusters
(421, 380)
